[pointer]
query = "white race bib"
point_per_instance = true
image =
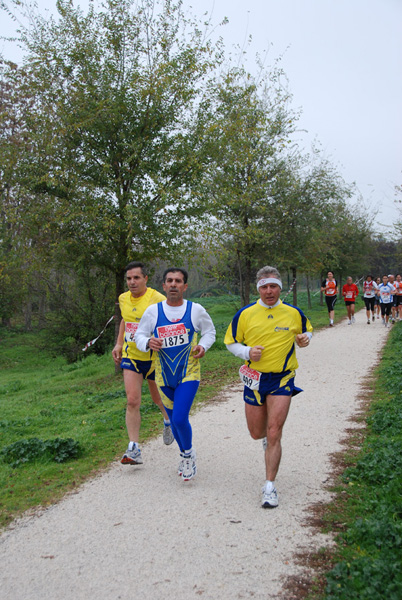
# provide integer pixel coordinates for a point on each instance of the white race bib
(250, 377)
(173, 335)
(349, 294)
(130, 329)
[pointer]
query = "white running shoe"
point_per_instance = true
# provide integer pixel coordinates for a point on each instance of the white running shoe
(349, 322)
(269, 499)
(353, 320)
(181, 466)
(168, 437)
(189, 469)
(132, 457)
(368, 321)
(187, 466)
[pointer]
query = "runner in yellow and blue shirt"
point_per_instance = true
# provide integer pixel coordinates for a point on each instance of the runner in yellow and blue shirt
(263, 334)
(137, 365)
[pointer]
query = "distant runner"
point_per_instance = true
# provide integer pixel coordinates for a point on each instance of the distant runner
(385, 292)
(263, 334)
(377, 299)
(330, 288)
(369, 295)
(391, 281)
(350, 292)
(398, 297)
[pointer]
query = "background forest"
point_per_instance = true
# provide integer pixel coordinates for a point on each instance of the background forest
(127, 135)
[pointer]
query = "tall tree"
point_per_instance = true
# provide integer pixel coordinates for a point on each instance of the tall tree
(251, 128)
(116, 130)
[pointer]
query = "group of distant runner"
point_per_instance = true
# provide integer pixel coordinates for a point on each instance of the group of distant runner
(382, 298)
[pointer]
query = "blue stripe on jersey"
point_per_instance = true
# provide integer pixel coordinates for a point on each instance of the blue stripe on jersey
(291, 351)
(302, 316)
(236, 318)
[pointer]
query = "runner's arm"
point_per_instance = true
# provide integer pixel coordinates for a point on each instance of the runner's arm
(203, 323)
(239, 350)
(117, 350)
(146, 328)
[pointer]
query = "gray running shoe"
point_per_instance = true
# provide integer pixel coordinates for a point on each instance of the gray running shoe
(269, 499)
(168, 437)
(132, 457)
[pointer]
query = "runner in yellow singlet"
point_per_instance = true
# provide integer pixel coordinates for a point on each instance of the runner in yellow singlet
(137, 365)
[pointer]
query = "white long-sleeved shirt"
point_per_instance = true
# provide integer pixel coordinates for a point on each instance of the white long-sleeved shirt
(201, 320)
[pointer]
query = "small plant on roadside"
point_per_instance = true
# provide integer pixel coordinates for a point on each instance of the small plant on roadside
(58, 450)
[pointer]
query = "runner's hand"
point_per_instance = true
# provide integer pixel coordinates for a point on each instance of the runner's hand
(302, 340)
(155, 344)
(198, 351)
(255, 353)
(116, 353)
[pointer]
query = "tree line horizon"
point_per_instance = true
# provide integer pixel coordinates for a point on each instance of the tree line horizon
(126, 134)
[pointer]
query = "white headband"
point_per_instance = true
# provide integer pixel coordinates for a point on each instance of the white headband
(269, 280)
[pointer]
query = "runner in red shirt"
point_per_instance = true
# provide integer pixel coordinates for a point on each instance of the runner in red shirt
(350, 292)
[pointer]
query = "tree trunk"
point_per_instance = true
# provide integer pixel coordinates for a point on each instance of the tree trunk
(308, 292)
(241, 283)
(42, 310)
(119, 287)
(28, 316)
(246, 282)
(294, 283)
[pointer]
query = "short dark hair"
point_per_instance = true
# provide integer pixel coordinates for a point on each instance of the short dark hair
(135, 264)
(176, 270)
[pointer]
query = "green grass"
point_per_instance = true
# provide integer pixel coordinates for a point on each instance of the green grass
(83, 406)
(368, 505)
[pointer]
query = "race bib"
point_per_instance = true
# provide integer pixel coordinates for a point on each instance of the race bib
(386, 296)
(349, 294)
(250, 377)
(330, 291)
(173, 335)
(130, 329)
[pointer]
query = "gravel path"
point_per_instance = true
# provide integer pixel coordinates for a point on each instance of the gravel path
(140, 532)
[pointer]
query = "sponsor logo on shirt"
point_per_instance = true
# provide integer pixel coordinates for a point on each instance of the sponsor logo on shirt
(281, 329)
(270, 317)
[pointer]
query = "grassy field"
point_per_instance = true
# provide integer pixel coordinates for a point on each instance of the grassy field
(75, 413)
(367, 509)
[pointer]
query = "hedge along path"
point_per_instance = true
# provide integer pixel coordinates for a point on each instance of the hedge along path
(142, 532)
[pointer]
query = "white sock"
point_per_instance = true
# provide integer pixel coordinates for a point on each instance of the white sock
(331, 321)
(132, 445)
(269, 486)
(167, 423)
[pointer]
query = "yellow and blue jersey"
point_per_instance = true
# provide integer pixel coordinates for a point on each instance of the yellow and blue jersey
(176, 362)
(273, 328)
(132, 310)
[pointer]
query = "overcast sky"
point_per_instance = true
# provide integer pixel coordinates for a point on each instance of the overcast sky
(343, 59)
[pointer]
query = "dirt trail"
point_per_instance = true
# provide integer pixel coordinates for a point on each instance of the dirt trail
(140, 532)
